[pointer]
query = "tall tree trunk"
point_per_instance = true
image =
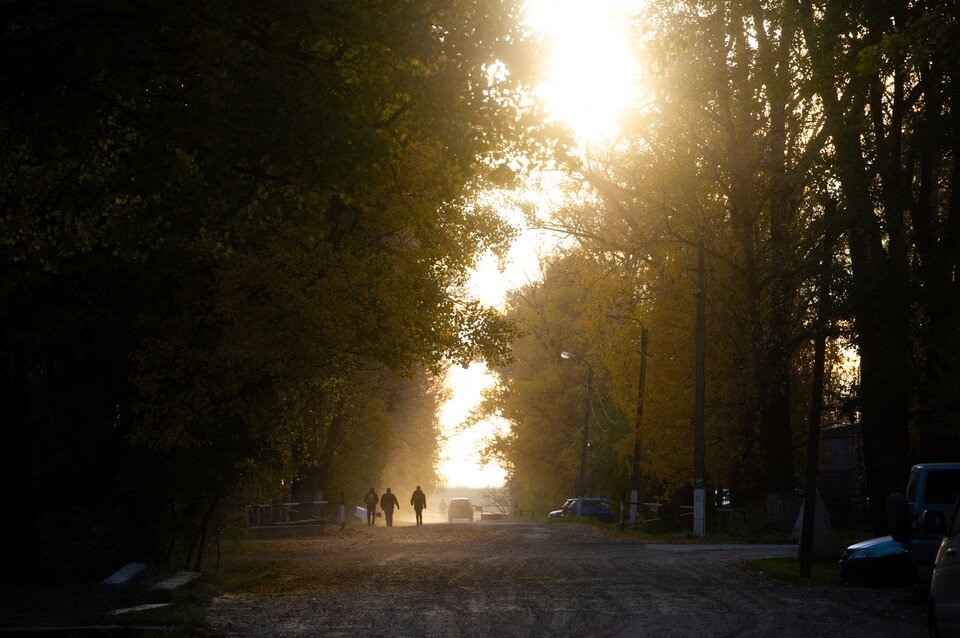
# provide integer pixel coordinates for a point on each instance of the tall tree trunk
(204, 526)
(880, 290)
(333, 441)
(816, 400)
(780, 321)
(313, 479)
(936, 224)
(775, 32)
(881, 310)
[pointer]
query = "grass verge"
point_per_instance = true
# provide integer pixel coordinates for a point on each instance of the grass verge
(787, 570)
(648, 533)
(80, 604)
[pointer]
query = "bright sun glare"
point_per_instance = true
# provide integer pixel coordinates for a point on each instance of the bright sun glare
(591, 79)
(591, 69)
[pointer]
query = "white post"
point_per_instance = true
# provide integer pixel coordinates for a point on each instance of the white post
(633, 506)
(699, 500)
(579, 502)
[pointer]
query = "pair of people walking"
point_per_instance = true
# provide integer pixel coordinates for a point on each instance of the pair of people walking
(388, 502)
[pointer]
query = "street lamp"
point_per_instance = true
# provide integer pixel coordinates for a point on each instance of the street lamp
(582, 474)
(635, 475)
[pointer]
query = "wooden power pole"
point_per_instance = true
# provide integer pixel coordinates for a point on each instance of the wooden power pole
(816, 401)
(585, 442)
(637, 447)
(699, 487)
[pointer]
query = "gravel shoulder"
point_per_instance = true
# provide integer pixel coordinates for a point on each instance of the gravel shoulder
(520, 579)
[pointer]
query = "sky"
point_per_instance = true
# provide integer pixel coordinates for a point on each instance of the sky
(590, 81)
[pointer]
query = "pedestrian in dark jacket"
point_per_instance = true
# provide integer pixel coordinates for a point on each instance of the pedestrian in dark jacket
(387, 502)
(419, 502)
(370, 500)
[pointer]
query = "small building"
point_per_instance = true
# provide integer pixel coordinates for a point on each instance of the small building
(841, 474)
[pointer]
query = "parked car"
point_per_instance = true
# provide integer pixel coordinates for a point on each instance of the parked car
(943, 604)
(599, 508)
(564, 509)
(460, 508)
(878, 561)
(932, 487)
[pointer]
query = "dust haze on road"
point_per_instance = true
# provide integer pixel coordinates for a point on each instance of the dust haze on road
(520, 579)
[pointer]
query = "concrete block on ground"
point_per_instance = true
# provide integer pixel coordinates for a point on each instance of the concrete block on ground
(826, 542)
(125, 582)
(127, 610)
(165, 588)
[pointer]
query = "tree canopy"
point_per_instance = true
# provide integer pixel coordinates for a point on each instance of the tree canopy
(792, 138)
(235, 239)
(230, 232)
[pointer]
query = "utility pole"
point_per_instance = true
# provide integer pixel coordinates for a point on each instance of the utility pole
(816, 402)
(699, 487)
(585, 444)
(637, 448)
(637, 440)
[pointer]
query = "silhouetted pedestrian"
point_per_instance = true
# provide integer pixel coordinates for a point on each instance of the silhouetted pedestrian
(443, 508)
(387, 502)
(370, 500)
(419, 502)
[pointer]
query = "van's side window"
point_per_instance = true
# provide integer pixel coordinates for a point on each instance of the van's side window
(942, 487)
(912, 487)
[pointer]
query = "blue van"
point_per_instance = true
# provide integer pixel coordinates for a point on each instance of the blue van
(932, 492)
(599, 508)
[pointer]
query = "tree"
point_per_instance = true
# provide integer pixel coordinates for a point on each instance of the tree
(216, 218)
(727, 152)
(545, 398)
(886, 74)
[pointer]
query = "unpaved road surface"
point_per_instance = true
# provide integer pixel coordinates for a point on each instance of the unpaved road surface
(516, 579)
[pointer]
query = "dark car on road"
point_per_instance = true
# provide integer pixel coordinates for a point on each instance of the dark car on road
(599, 508)
(460, 508)
(878, 561)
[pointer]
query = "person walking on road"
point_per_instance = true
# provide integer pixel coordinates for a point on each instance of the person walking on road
(419, 502)
(443, 508)
(370, 500)
(387, 502)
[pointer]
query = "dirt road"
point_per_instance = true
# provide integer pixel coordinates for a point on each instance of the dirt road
(514, 579)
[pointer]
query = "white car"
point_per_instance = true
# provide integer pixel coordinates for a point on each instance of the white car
(460, 508)
(943, 605)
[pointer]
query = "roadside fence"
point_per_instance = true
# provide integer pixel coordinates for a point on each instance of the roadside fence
(263, 516)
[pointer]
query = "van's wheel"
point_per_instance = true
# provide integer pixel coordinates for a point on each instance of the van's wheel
(896, 573)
